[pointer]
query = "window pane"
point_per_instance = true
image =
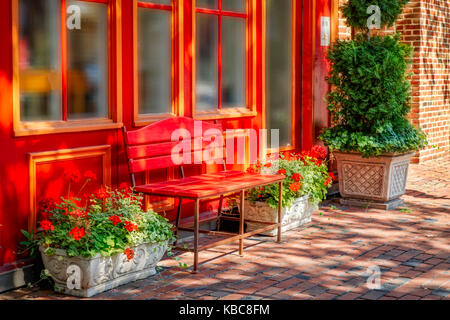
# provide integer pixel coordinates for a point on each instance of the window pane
(154, 61)
(207, 62)
(233, 5)
(210, 4)
(233, 62)
(88, 63)
(279, 68)
(39, 60)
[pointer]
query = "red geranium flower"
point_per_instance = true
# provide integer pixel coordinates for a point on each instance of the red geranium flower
(123, 187)
(130, 226)
(282, 171)
(115, 220)
(268, 165)
(295, 186)
(74, 176)
(305, 154)
(297, 177)
(77, 233)
(101, 194)
(90, 175)
(46, 206)
(129, 253)
(47, 225)
(319, 152)
(331, 174)
(328, 181)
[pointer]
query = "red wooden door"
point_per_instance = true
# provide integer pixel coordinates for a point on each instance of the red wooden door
(72, 73)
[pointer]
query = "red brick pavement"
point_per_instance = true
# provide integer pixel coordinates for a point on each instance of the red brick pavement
(327, 260)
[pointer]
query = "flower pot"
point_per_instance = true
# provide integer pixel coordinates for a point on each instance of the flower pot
(297, 215)
(377, 182)
(86, 277)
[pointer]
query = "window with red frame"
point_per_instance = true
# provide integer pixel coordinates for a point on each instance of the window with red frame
(63, 59)
(220, 54)
(155, 56)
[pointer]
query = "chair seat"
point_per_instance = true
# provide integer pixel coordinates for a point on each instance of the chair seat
(208, 185)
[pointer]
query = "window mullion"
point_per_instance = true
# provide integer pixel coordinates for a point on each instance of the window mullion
(219, 72)
(64, 83)
(219, 64)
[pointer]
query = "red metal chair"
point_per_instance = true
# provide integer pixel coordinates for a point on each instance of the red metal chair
(153, 147)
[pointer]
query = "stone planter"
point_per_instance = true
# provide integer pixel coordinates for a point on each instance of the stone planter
(297, 215)
(86, 277)
(377, 182)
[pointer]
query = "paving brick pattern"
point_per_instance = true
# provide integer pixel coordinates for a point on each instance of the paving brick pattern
(330, 259)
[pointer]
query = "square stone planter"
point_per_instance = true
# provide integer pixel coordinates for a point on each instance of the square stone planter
(376, 182)
(297, 215)
(86, 277)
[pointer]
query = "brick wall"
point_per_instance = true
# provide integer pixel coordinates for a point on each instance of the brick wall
(425, 25)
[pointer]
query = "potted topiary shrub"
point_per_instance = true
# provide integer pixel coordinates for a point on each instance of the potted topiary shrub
(109, 242)
(306, 183)
(371, 137)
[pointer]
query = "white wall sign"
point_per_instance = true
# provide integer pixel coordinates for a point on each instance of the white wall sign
(325, 31)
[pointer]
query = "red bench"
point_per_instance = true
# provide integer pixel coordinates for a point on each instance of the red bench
(153, 147)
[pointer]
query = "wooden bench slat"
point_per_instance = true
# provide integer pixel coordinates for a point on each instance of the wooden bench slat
(162, 131)
(165, 148)
(155, 163)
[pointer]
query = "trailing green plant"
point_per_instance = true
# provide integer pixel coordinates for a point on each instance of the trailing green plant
(112, 222)
(355, 12)
(370, 97)
(306, 174)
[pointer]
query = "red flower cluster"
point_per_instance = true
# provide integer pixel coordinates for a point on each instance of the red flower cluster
(319, 152)
(115, 220)
(330, 179)
(77, 233)
(295, 186)
(74, 176)
(297, 177)
(90, 175)
(123, 187)
(130, 226)
(101, 194)
(47, 225)
(46, 206)
(268, 165)
(129, 253)
(282, 171)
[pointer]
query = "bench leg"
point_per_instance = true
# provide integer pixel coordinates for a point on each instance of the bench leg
(219, 213)
(280, 206)
(180, 201)
(241, 223)
(196, 234)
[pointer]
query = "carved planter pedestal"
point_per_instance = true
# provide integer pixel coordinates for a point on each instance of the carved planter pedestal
(376, 182)
(86, 277)
(297, 215)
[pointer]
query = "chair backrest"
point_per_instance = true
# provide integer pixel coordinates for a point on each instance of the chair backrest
(172, 142)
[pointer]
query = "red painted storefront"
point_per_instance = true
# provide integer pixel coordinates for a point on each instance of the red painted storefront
(36, 154)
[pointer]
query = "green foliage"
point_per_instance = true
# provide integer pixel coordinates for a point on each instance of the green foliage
(112, 222)
(370, 99)
(355, 11)
(30, 244)
(306, 174)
